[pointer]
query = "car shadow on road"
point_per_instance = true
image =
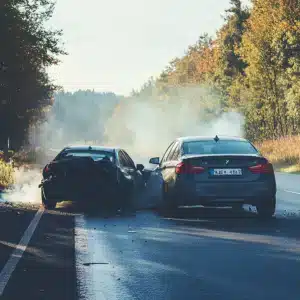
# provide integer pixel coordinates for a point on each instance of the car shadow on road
(237, 221)
(88, 210)
(229, 220)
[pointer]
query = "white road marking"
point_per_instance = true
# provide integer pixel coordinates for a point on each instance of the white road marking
(18, 252)
(292, 192)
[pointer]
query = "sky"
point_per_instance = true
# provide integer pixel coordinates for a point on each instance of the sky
(116, 45)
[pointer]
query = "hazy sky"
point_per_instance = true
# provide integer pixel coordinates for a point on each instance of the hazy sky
(116, 45)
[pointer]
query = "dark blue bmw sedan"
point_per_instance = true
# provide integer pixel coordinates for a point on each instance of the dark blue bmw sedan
(216, 171)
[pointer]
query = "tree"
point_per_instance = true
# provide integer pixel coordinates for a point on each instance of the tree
(272, 30)
(29, 48)
(230, 64)
(195, 67)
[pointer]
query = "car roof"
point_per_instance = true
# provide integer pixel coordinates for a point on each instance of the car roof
(92, 147)
(209, 138)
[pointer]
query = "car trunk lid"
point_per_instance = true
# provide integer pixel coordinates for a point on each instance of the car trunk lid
(215, 168)
(79, 175)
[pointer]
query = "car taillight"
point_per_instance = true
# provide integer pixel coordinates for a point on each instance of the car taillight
(265, 168)
(183, 168)
(47, 168)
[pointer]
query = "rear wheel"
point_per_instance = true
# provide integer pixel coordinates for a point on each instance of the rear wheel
(266, 209)
(47, 203)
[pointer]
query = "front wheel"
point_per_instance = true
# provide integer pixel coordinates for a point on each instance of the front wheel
(266, 209)
(47, 203)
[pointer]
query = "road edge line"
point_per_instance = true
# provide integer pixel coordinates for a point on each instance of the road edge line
(17, 253)
(291, 192)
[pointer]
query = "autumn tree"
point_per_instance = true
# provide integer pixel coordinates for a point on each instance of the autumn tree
(252, 66)
(269, 47)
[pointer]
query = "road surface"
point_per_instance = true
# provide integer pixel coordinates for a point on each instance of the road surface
(198, 254)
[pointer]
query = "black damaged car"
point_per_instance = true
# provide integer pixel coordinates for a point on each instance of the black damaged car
(103, 175)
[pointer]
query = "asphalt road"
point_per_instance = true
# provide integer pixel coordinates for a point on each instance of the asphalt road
(198, 254)
(46, 269)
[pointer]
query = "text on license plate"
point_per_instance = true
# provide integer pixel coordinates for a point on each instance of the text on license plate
(225, 172)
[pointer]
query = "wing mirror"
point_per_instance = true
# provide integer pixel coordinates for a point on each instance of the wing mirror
(154, 161)
(140, 167)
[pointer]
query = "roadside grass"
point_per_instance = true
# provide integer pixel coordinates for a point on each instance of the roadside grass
(284, 153)
(6, 174)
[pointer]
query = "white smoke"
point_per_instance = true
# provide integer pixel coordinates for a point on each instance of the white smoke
(144, 125)
(25, 190)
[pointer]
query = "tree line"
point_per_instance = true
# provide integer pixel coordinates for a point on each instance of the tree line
(75, 117)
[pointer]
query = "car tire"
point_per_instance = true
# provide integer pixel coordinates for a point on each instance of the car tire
(266, 209)
(47, 203)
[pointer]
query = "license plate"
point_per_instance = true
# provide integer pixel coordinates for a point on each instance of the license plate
(226, 172)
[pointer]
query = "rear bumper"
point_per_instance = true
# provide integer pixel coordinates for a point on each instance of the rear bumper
(211, 194)
(78, 192)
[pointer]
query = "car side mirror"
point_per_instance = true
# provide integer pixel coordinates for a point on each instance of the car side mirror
(154, 161)
(140, 167)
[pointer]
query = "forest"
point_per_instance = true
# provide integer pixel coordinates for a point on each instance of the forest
(251, 65)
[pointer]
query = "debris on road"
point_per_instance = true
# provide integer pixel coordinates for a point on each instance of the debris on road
(95, 263)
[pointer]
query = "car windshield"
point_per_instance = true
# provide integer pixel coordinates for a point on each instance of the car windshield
(95, 155)
(220, 147)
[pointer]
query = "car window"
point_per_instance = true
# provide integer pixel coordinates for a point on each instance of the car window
(167, 152)
(125, 160)
(122, 159)
(220, 147)
(129, 161)
(175, 153)
(172, 152)
(96, 155)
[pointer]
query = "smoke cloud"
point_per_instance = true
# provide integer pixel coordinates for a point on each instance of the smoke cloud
(144, 125)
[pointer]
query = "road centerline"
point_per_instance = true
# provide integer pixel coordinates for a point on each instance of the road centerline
(18, 251)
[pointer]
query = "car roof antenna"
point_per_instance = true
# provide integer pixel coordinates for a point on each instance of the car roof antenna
(216, 138)
(90, 147)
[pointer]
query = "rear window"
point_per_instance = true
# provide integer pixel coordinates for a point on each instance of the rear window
(220, 147)
(95, 155)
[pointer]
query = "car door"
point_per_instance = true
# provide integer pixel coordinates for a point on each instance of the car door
(163, 166)
(173, 160)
